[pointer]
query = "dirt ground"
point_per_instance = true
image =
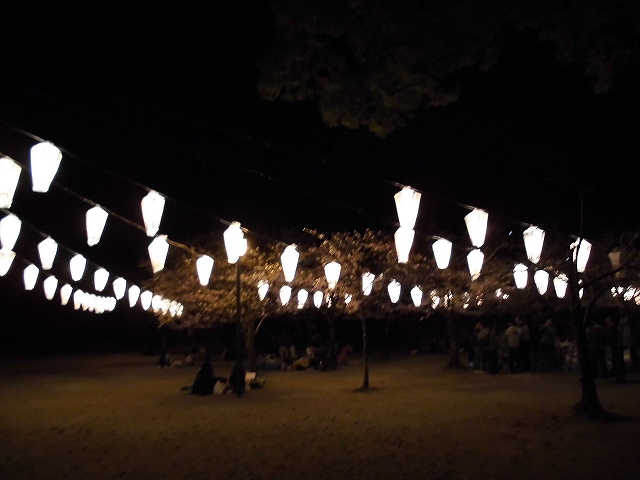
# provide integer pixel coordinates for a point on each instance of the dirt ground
(120, 416)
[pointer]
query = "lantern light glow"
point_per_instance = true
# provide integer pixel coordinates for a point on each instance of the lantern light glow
(152, 207)
(204, 267)
(533, 240)
(158, 249)
(77, 265)
(476, 222)
(9, 231)
(9, 177)
(45, 161)
(442, 252)
(95, 220)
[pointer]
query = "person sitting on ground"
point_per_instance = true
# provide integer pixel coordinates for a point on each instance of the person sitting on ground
(304, 362)
(237, 378)
(343, 355)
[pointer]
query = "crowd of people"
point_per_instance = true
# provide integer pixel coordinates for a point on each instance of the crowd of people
(521, 348)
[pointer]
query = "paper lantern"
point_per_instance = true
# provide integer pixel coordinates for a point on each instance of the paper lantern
(581, 251)
(403, 239)
(119, 287)
(152, 207)
(476, 222)
(289, 259)
(520, 275)
(285, 294)
(30, 276)
(100, 279)
(9, 176)
(302, 298)
(367, 283)
(47, 249)
(332, 274)
(560, 285)
(134, 294)
(442, 252)
(234, 242)
(95, 220)
(77, 265)
(9, 231)
(541, 279)
(394, 290)
(407, 204)
(158, 249)
(156, 303)
(6, 259)
(65, 293)
(614, 258)
(50, 285)
(263, 288)
(78, 298)
(475, 259)
(204, 266)
(45, 161)
(317, 298)
(145, 299)
(416, 296)
(533, 240)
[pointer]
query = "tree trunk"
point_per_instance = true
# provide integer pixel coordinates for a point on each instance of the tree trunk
(589, 403)
(333, 346)
(452, 336)
(251, 347)
(365, 354)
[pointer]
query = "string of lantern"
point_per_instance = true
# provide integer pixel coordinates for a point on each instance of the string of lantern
(476, 222)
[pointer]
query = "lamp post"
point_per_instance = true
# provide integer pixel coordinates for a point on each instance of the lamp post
(236, 246)
(332, 274)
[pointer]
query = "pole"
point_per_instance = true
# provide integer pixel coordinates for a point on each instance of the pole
(238, 315)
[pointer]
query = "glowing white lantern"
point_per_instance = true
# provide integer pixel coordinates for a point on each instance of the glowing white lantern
(285, 294)
(100, 279)
(156, 303)
(581, 251)
(204, 266)
(541, 279)
(317, 298)
(158, 249)
(50, 285)
(302, 298)
(134, 293)
(442, 252)
(45, 161)
(289, 259)
(560, 285)
(475, 259)
(404, 239)
(65, 293)
(78, 298)
(95, 219)
(234, 242)
(30, 276)
(47, 249)
(9, 176)
(347, 298)
(332, 274)
(145, 299)
(9, 231)
(416, 295)
(367, 283)
(533, 240)
(6, 258)
(77, 265)
(394, 290)
(476, 222)
(614, 258)
(407, 204)
(152, 207)
(520, 275)
(119, 287)
(263, 288)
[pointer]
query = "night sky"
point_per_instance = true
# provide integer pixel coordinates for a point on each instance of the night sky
(167, 100)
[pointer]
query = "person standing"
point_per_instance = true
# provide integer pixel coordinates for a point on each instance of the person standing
(596, 344)
(525, 346)
(612, 336)
(512, 342)
(547, 346)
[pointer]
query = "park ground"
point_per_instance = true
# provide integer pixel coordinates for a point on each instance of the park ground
(120, 416)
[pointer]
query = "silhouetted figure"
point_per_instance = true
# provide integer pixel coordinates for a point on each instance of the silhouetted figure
(547, 345)
(525, 344)
(205, 380)
(237, 378)
(612, 335)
